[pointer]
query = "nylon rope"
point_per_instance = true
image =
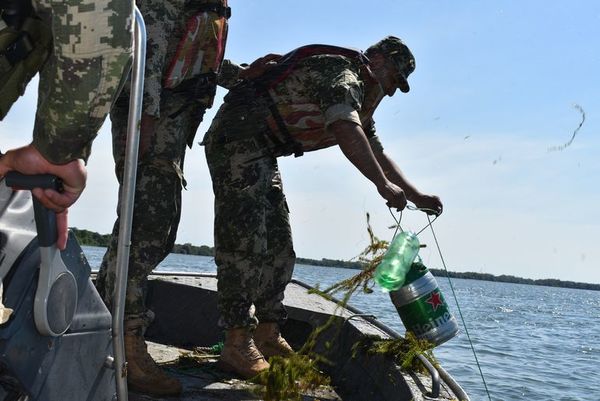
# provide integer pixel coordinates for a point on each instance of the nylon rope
(430, 225)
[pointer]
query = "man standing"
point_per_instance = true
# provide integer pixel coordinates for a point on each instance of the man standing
(81, 49)
(185, 46)
(316, 97)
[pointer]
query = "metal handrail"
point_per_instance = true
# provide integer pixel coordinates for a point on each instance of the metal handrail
(127, 200)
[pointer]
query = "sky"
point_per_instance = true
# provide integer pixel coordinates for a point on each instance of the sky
(498, 86)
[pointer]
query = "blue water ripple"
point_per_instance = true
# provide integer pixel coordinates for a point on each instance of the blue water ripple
(533, 343)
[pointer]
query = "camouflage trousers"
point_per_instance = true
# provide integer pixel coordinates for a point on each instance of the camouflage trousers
(157, 207)
(253, 242)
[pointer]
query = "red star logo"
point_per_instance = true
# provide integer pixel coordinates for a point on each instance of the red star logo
(435, 300)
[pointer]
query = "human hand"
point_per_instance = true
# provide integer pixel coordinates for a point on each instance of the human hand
(393, 194)
(430, 204)
(259, 66)
(28, 160)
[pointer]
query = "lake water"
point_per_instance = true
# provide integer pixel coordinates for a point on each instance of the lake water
(533, 343)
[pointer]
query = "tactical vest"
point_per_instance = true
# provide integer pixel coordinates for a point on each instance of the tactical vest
(294, 129)
(195, 66)
(24, 47)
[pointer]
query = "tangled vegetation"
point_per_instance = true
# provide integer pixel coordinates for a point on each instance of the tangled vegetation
(403, 350)
(289, 377)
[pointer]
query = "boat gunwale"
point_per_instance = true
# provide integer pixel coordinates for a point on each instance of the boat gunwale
(437, 373)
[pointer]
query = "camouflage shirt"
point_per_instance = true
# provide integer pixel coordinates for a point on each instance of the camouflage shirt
(83, 74)
(321, 90)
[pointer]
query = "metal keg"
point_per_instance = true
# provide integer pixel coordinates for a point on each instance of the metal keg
(422, 307)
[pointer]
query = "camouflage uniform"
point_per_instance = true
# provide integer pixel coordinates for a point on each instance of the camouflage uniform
(157, 208)
(253, 242)
(83, 74)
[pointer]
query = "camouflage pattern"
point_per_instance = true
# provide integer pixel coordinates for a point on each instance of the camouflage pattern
(165, 24)
(157, 207)
(400, 55)
(321, 90)
(253, 240)
(253, 243)
(82, 76)
(162, 18)
(228, 74)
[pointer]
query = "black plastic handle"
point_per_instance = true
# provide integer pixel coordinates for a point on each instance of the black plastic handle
(22, 181)
(45, 219)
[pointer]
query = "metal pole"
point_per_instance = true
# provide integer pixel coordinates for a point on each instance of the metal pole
(127, 200)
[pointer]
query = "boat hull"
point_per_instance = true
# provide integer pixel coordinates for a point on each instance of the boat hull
(186, 316)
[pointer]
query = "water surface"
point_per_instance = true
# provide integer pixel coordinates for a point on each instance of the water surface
(533, 343)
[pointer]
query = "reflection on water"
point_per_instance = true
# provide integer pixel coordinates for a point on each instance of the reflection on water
(533, 343)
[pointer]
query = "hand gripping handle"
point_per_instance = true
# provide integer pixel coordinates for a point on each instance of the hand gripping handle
(55, 300)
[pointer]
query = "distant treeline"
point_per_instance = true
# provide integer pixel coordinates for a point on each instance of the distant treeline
(91, 238)
(550, 282)
(86, 237)
(345, 264)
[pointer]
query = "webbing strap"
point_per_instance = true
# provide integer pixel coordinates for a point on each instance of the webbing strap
(15, 52)
(290, 145)
(288, 62)
(286, 65)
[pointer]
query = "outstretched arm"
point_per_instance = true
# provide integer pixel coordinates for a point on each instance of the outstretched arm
(355, 146)
(431, 203)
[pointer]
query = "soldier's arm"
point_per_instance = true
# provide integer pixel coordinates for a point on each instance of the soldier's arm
(91, 49)
(231, 73)
(355, 146)
(393, 172)
(78, 84)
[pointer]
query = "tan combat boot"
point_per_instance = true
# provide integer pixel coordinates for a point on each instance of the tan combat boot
(270, 342)
(240, 355)
(143, 375)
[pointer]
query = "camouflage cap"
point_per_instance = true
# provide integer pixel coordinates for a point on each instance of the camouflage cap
(396, 51)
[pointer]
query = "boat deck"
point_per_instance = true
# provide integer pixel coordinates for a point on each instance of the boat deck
(186, 320)
(204, 381)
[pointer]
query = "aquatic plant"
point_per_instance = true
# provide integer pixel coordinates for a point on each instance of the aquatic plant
(403, 350)
(288, 378)
(370, 257)
(196, 358)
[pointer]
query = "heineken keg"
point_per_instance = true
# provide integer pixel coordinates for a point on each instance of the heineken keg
(422, 307)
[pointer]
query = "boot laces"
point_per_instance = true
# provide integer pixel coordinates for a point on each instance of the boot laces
(250, 351)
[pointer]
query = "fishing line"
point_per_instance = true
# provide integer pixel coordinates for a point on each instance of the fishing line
(430, 225)
(398, 221)
(458, 307)
(411, 207)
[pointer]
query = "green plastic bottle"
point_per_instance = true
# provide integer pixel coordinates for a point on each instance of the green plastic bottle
(398, 259)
